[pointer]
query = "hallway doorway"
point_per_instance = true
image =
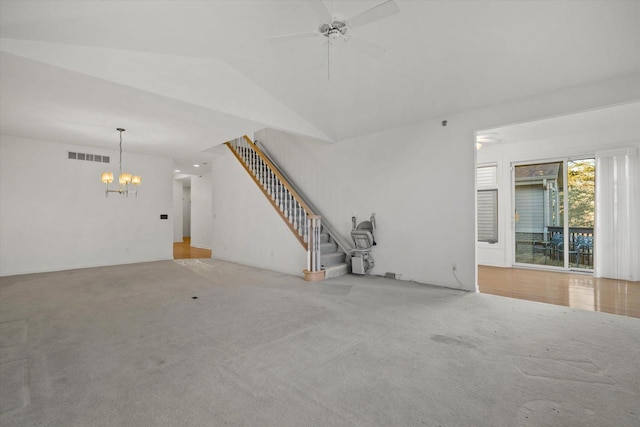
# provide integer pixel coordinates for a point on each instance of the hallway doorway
(184, 250)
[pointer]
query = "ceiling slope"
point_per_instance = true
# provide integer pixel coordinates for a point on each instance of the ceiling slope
(204, 82)
(213, 57)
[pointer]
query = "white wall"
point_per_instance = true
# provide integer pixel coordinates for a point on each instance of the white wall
(201, 211)
(246, 229)
(410, 178)
(581, 144)
(186, 211)
(177, 211)
(418, 179)
(54, 214)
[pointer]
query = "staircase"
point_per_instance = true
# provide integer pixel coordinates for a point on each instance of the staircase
(332, 257)
(327, 251)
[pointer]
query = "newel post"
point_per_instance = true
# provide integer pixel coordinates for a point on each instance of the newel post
(314, 272)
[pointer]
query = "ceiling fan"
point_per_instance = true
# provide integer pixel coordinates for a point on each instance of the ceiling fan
(334, 26)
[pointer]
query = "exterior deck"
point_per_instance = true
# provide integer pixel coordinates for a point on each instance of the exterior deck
(550, 250)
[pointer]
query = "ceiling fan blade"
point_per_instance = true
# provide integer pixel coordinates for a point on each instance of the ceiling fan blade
(367, 47)
(321, 10)
(295, 36)
(376, 13)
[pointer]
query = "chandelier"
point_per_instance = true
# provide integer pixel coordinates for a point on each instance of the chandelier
(124, 180)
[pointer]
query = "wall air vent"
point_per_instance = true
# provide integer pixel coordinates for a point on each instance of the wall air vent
(71, 155)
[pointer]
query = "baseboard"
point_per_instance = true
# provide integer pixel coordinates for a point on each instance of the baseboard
(264, 267)
(195, 245)
(77, 267)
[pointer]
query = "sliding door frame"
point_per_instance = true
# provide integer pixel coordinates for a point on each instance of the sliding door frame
(565, 217)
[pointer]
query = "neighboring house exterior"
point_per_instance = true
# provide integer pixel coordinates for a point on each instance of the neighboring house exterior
(537, 200)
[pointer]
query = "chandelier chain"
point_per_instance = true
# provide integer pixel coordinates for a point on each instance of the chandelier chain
(120, 130)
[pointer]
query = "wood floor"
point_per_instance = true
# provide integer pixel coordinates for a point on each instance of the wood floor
(581, 291)
(185, 250)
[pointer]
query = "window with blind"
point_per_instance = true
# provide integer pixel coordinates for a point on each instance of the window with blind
(486, 179)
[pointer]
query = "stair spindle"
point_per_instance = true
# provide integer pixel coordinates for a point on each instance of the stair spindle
(255, 165)
(271, 183)
(288, 209)
(295, 215)
(281, 189)
(305, 228)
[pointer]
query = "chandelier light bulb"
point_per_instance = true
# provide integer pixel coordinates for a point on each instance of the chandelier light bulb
(125, 178)
(107, 177)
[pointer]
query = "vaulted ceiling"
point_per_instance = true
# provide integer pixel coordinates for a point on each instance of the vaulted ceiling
(185, 76)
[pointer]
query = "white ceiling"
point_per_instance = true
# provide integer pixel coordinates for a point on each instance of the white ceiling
(624, 116)
(184, 76)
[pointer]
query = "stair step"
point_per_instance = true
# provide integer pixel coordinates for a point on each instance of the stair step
(328, 247)
(336, 270)
(333, 258)
(324, 237)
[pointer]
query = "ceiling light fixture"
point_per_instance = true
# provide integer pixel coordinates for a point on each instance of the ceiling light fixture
(124, 179)
(487, 138)
(197, 166)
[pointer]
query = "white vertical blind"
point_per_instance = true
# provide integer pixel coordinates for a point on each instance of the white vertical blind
(486, 182)
(617, 231)
(529, 202)
(488, 216)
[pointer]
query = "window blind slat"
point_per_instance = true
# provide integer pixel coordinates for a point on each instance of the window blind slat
(486, 176)
(488, 215)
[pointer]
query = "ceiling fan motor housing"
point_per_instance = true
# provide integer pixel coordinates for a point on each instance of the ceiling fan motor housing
(334, 29)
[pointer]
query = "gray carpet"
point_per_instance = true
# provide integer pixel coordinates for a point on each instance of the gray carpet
(130, 346)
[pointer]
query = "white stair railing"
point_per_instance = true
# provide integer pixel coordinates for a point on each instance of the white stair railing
(302, 221)
(327, 227)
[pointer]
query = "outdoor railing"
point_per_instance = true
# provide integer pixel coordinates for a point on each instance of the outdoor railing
(573, 232)
(580, 243)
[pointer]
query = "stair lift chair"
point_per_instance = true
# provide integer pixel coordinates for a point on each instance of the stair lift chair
(362, 235)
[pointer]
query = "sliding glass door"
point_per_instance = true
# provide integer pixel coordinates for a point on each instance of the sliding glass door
(581, 180)
(553, 213)
(539, 219)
